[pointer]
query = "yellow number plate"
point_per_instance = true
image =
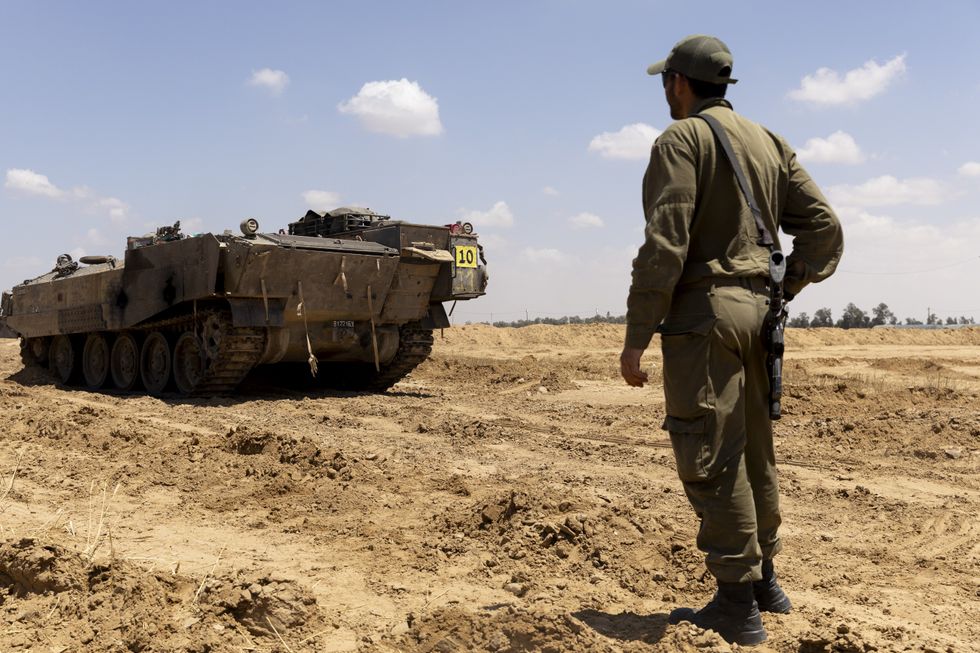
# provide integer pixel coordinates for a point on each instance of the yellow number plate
(466, 256)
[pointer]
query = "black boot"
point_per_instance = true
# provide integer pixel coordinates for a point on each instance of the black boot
(768, 593)
(732, 613)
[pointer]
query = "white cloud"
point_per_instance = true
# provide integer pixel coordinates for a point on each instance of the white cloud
(631, 142)
(545, 255)
(117, 209)
(917, 252)
(82, 193)
(321, 200)
(499, 215)
(585, 221)
(969, 169)
(274, 81)
(827, 87)
(34, 183)
(31, 183)
(492, 241)
(889, 191)
(551, 191)
(396, 107)
(839, 147)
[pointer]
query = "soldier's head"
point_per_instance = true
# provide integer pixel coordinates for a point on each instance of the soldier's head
(698, 67)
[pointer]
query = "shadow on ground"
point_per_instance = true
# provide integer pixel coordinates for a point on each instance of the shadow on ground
(626, 626)
(267, 382)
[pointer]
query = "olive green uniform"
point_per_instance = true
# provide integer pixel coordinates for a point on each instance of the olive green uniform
(700, 279)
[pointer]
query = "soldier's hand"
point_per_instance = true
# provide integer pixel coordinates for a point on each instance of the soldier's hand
(629, 367)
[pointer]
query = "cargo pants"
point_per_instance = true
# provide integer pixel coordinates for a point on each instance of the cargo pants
(717, 404)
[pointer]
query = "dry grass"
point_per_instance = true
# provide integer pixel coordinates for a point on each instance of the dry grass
(940, 383)
(10, 485)
(210, 571)
(102, 533)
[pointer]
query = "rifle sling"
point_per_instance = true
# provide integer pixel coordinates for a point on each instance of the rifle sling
(765, 238)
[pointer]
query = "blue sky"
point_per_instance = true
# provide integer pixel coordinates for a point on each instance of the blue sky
(117, 117)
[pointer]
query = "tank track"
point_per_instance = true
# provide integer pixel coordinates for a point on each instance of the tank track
(414, 346)
(239, 350)
(238, 354)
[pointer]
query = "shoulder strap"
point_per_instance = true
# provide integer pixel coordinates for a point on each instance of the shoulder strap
(765, 238)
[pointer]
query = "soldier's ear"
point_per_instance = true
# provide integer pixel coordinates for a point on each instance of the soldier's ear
(683, 84)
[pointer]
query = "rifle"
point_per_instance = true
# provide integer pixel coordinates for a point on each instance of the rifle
(773, 330)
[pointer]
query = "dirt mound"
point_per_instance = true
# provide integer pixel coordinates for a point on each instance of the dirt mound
(513, 629)
(536, 336)
(965, 336)
(264, 605)
(592, 337)
(64, 602)
(27, 567)
(529, 538)
(530, 372)
(300, 452)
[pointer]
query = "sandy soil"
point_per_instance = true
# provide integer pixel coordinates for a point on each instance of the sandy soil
(511, 495)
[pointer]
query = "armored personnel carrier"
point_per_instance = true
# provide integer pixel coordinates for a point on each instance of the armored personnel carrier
(352, 294)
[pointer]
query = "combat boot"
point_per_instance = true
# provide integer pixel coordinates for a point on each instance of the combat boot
(768, 594)
(732, 613)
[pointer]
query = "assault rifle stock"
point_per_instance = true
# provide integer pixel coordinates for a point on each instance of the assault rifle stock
(773, 330)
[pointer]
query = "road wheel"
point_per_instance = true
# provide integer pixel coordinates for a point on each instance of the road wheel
(124, 362)
(34, 351)
(62, 359)
(189, 363)
(95, 361)
(155, 363)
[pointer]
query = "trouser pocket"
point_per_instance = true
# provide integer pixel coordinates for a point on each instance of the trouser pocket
(689, 396)
(692, 447)
(686, 346)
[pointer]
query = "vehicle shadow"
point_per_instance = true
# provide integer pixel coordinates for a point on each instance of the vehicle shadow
(260, 385)
(626, 626)
(31, 377)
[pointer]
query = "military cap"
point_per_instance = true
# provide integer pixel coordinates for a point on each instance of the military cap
(700, 57)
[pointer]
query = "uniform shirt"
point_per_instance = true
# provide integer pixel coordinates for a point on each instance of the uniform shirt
(699, 225)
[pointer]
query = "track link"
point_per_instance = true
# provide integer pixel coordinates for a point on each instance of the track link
(414, 346)
(238, 349)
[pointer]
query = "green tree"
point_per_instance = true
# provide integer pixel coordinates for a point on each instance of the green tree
(853, 318)
(801, 320)
(822, 318)
(882, 315)
(932, 318)
(911, 321)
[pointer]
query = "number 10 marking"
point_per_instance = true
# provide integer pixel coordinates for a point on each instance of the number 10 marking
(465, 257)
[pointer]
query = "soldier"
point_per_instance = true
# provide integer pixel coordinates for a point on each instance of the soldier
(701, 280)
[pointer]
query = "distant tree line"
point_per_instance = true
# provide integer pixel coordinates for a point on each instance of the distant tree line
(852, 318)
(567, 319)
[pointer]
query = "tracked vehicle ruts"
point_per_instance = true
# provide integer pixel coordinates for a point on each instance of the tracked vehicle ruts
(352, 294)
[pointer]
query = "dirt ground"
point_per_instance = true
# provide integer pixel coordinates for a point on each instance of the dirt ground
(513, 494)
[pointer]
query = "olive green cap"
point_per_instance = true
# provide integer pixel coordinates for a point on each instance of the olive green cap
(700, 57)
